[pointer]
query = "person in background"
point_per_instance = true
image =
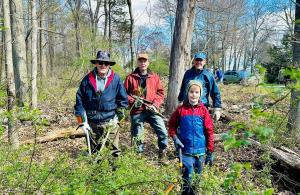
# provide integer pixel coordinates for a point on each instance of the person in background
(219, 75)
(191, 129)
(209, 85)
(100, 103)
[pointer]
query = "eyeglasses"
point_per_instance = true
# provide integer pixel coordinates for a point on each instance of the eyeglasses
(103, 63)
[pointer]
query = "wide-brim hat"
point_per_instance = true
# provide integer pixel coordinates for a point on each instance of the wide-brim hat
(103, 56)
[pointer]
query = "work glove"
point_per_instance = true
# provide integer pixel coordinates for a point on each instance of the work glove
(138, 103)
(82, 122)
(152, 108)
(177, 142)
(209, 158)
(120, 114)
(217, 113)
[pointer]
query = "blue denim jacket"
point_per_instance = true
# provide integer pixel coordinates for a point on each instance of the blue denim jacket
(209, 86)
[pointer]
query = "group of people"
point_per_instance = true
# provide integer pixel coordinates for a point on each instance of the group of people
(102, 98)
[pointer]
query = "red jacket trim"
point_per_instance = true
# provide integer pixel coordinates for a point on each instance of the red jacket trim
(92, 79)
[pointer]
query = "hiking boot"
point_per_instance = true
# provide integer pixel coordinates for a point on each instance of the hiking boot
(162, 156)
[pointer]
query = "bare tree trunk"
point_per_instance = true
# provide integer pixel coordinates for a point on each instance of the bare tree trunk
(77, 28)
(245, 58)
(34, 54)
(51, 48)
(42, 42)
(294, 114)
(13, 137)
(19, 52)
(28, 42)
(230, 57)
(94, 17)
(131, 32)
(109, 25)
(105, 19)
(181, 48)
(76, 14)
(2, 66)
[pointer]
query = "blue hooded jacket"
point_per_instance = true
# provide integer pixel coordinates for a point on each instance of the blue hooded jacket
(100, 106)
(209, 86)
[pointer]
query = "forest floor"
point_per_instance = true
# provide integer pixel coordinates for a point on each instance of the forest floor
(57, 107)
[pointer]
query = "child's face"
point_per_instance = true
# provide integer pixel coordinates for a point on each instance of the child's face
(194, 94)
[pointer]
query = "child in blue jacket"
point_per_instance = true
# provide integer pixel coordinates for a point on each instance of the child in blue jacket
(191, 128)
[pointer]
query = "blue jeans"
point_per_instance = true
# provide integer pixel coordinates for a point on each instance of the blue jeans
(191, 165)
(137, 129)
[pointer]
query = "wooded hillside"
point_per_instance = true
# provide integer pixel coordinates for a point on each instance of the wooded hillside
(45, 52)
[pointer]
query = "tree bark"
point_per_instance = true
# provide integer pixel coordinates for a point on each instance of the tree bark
(2, 66)
(131, 33)
(51, 48)
(94, 17)
(181, 48)
(294, 114)
(19, 52)
(105, 20)
(76, 14)
(109, 26)
(34, 36)
(42, 42)
(28, 41)
(13, 137)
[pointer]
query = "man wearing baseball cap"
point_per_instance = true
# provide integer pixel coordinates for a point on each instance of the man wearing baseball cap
(145, 96)
(209, 85)
(100, 103)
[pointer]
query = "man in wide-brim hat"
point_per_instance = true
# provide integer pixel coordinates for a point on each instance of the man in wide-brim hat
(100, 103)
(103, 57)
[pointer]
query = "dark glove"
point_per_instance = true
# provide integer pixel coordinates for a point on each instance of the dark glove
(177, 142)
(209, 158)
(121, 114)
(138, 103)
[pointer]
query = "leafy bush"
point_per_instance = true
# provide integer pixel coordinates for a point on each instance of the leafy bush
(129, 174)
(160, 66)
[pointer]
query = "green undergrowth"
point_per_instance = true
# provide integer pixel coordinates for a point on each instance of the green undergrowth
(22, 172)
(129, 174)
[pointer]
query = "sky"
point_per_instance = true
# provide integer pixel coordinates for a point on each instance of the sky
(143, 11)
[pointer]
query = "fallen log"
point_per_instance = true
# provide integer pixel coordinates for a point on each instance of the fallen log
(72, 133)
(288, 156)
(56, 135)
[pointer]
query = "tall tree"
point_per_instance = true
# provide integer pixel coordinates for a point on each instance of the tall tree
(131, 32)
(13, 137)
(42, 40)
(52, 27)
(109, 25)
(94, 18)
(181, 48)
(105, 19)
(75, 6)
(258, 17)
(34, 36)
(1, 44)
(294, 114)
(19, 52)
